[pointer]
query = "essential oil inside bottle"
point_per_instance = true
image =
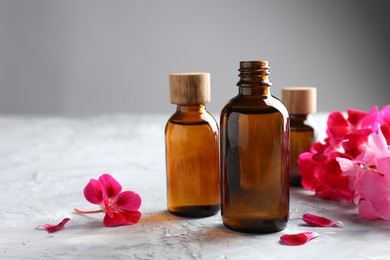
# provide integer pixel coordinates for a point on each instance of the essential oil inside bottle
(255, 155)
(192, 149)
(300, 103)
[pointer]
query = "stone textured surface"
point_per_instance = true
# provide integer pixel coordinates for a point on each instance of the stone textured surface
(45, 162)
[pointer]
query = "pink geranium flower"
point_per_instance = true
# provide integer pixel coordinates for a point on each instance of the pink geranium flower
(347, 138)
(369, 174)
(351, 134)
(353, 162)
(321, 172)
(120, 207)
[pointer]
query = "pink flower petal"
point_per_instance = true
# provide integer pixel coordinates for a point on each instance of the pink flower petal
(337, 125)
(370, 121)
(111, 185)
(383, 165)
(108, 209)
(367, 211)
(94, 192)
(355, 116)
(349, 168)
(384, 119)
(378, 142)
(298, 239)
(384, 115)
(374, 189)
(376, 147)
(122, 218)
(386, 132)
(333, 183)
(127, 201)
(317, 221)
(354, 144)
(53, 228)
(306, 164)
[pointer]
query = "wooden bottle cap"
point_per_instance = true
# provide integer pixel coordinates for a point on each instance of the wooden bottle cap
(189, 88)
(300, 100)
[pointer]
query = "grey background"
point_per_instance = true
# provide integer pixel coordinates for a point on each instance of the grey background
(81, 57)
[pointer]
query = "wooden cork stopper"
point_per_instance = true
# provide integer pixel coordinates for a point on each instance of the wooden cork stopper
(300, 100)
(189, 88)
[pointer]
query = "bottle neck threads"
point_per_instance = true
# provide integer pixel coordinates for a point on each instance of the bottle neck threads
(253, 74)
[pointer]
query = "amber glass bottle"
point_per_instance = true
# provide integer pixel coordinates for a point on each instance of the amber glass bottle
(300, 102)
(192, 149)
(255, 155)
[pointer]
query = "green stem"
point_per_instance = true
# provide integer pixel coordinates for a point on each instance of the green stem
(87, 212)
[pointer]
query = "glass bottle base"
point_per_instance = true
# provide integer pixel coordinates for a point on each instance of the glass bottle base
(195, 211)
(256, 226)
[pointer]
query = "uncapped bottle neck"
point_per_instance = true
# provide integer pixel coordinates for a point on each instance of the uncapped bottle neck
(254, 73)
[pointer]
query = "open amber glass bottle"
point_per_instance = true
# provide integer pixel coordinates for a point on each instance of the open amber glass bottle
(192, 149)
(255, 155)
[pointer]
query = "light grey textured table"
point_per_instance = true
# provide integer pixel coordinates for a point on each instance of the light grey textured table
(45, 162)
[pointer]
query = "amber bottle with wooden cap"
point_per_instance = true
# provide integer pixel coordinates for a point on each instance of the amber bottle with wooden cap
(192, 149)
(255, 155)
(300, 103)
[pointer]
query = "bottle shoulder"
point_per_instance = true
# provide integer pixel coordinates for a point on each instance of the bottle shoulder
(245, 104)
(186, 118)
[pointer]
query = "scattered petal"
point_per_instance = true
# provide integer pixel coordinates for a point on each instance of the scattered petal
(317, 221)
(298, 239)
(53, 228)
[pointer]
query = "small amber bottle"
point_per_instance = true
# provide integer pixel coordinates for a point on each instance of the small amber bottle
(255, 155)
(300, 102)
(192, 149)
